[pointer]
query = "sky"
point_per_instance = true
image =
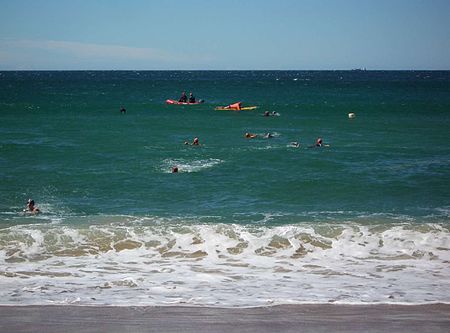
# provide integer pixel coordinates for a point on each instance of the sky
(224, 34)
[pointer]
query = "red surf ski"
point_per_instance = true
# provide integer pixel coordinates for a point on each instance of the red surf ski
(174, 102)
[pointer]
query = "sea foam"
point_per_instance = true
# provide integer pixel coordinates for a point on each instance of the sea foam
(225, 264)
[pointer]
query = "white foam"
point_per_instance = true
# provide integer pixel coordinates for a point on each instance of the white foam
(185, 165)
(226, 265)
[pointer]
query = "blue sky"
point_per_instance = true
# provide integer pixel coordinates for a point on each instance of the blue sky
(224, 34)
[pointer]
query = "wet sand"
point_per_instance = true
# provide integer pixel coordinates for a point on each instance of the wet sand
(285, 318)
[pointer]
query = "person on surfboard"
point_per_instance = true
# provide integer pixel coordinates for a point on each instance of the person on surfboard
(234, 106)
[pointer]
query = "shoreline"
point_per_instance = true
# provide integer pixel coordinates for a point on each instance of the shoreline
(283, 318)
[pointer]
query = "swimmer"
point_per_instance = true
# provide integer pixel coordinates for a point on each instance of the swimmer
(31, 207)
(319, 142)
(268, 136)
(270, 114)
(250, 135)
(295, 144)
(195, 142)
(174, 169)
(123, 110)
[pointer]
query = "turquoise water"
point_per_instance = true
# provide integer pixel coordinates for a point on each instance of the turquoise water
(103, 183)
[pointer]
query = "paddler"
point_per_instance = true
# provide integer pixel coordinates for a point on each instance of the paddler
(250, 135)
(183, 98)
(191, 98)
(234, 106)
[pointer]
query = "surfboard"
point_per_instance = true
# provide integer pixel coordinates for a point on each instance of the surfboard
(246, 108)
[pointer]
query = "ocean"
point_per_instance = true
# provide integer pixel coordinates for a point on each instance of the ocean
(364, 219)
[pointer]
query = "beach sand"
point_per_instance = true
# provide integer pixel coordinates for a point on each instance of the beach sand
(284, 318)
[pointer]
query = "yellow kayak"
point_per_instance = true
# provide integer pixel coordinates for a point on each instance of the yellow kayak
(245, 108)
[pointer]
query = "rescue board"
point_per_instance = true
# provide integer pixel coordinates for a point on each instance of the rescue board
(174, 102)
(245, 108)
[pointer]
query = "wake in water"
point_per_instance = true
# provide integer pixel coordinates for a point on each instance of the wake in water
(157, 262)
(186, 165)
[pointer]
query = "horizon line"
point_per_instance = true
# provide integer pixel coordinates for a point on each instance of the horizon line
(225, 70)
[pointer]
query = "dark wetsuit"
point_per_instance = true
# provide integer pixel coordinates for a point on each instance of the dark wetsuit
(191, 99)
(183, 99)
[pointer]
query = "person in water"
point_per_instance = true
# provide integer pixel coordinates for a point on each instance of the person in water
(174, 169)
(250, 135)
(183, 98)
(195, 142)
(191, 98)
(268, 136)
(319, 142)
(31, 207)
(266, 114)
(123, 110)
